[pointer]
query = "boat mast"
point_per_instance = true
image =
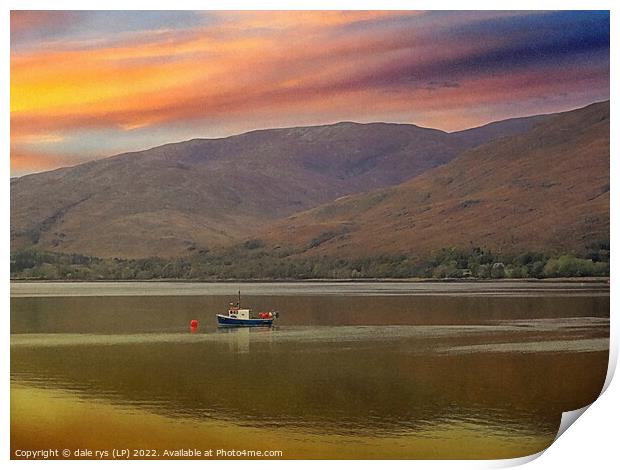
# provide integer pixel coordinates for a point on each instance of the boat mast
(239, 302)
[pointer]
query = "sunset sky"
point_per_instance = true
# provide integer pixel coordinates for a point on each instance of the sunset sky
(90, 84)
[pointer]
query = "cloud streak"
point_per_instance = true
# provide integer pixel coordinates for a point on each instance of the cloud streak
(224, 72)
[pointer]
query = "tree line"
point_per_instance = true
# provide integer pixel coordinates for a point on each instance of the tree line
(252, 260)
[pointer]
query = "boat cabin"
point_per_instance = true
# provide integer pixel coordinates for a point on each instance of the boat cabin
(241, 313)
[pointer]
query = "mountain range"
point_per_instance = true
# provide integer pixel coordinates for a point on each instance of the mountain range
(539, 182)
(546, 190)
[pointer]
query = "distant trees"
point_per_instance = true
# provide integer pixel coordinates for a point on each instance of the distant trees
(498, 271)
(252, 260)
(42, 265)
(569, 266)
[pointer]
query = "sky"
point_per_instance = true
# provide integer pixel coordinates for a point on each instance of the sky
(91, 84)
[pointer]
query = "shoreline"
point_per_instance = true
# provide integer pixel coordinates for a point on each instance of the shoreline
(304, 288)
(321, 280)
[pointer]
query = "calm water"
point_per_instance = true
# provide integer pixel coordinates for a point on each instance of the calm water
(373, 370)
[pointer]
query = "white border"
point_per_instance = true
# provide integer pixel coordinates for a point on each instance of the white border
(592, 442)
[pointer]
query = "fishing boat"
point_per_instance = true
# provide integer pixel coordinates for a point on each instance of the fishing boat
(238, 316)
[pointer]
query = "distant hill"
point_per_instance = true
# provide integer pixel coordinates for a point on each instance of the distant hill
(479, 135)
(181, 198)
(546, 189)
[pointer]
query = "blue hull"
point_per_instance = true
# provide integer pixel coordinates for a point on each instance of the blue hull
(227, 321)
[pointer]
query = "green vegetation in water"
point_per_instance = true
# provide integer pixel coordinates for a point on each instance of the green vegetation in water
(252, 260)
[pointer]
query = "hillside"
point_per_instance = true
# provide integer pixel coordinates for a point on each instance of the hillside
(188, 197)
(546, 189)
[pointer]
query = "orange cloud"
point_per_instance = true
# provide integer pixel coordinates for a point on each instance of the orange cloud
(300, 66)
(200, 74)
(294, 19)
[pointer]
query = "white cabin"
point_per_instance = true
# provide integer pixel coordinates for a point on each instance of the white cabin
(241, 313)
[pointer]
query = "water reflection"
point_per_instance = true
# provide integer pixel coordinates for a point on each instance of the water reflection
(374, 368)
(151, 314)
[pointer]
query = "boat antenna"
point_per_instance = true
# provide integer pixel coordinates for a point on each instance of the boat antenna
(239, 303)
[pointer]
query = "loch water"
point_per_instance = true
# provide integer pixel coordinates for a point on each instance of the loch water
(350, 370)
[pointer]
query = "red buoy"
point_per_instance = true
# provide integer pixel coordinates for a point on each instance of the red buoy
(193, 324)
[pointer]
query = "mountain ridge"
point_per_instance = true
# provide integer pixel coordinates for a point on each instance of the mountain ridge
(190, 196)
(545, 188)
(527, 120)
